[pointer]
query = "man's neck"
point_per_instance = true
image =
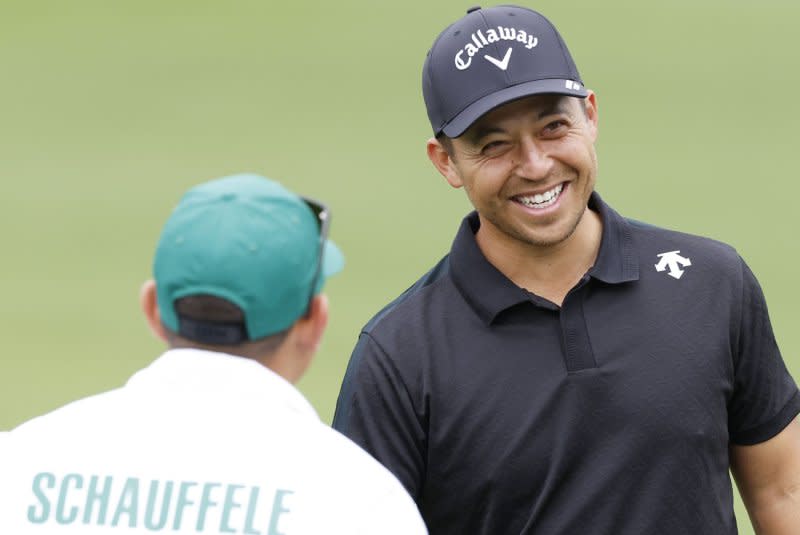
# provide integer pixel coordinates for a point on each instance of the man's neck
(548, 271)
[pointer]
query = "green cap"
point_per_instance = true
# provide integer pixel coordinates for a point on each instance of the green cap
(248, 240)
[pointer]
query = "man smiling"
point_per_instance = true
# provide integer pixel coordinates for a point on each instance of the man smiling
(564, 369)
(530, 207)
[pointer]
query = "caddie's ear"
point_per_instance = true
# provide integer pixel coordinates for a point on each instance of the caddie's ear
(441, 158)
(148, 300)
(294, 356)
(311, 327)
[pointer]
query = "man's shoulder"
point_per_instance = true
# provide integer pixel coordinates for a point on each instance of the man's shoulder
(91, 412)
(407, 305)
(648, 236)
(663, 255)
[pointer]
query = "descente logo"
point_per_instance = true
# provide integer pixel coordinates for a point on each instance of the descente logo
(492, 36)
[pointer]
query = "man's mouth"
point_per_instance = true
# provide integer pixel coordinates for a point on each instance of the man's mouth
(541, 200)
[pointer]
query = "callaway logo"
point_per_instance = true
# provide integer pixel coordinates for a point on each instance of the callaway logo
(464, 56)
(673, 261)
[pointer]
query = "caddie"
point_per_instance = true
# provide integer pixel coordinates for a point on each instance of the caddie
(212, 437)
(565, 370)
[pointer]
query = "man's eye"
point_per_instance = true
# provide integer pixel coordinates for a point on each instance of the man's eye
(554, 126)
(493, 147)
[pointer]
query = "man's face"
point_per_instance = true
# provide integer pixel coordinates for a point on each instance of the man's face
(528, 168)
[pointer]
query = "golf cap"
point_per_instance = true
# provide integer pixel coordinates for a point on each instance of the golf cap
(250, 241)
(490, 57)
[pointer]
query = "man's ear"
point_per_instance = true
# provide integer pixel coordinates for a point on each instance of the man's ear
(443, 162)
(148, 300)
(591, 114)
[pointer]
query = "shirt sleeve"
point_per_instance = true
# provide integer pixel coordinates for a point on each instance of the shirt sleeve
(376, 409)
(765, 398)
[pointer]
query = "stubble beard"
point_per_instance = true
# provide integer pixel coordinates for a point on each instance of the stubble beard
(540, 243)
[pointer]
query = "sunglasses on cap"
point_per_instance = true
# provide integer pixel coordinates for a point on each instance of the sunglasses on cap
(323, 215)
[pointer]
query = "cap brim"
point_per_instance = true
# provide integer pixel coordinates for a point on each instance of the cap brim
(332, 259)
(480, 107)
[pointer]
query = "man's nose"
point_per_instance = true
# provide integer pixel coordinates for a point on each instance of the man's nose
(532, 161)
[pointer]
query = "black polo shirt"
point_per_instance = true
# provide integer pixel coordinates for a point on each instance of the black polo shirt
(503, 413)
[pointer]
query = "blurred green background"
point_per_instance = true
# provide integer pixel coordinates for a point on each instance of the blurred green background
(111, 109)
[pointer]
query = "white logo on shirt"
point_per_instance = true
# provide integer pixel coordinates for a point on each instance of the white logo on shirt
(673, 261)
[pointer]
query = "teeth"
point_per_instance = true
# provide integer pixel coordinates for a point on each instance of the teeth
(542, 200)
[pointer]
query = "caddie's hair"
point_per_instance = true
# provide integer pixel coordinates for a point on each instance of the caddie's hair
(214, 309)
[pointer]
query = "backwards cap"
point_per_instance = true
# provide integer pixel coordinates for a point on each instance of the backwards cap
(490, 57)
(250, 241)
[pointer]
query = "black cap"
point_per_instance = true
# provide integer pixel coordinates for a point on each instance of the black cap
(490, 57)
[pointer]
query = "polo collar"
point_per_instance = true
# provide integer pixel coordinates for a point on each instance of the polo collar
(229, 378)
(490, 292)
(617, 260)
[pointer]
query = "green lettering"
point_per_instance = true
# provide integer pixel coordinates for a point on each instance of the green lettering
(228, 507)
(183, 502)
(128, 503)
(61, 516)
(252, 507)
(94, 496)
(205, 503)
(277, 510)
(151, 505)
(49, 480)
